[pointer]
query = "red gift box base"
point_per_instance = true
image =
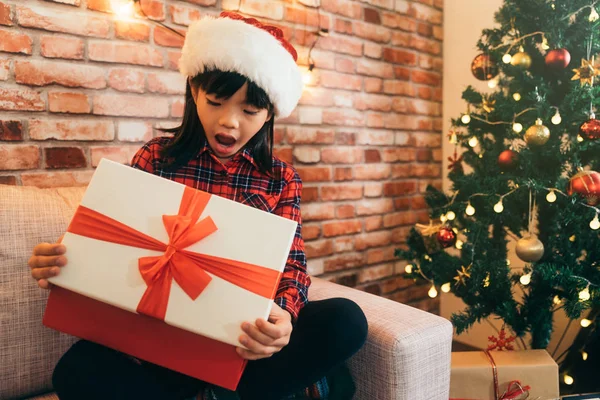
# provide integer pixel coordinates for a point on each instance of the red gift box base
(143, 337)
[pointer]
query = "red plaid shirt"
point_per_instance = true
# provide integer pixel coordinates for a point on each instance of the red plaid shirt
(241, 181)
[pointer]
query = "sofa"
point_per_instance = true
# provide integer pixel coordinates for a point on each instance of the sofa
(406, 357)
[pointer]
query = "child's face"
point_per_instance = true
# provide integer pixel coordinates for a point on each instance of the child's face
(229, 123)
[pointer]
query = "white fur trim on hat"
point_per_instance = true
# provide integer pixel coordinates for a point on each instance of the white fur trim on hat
(233, 45)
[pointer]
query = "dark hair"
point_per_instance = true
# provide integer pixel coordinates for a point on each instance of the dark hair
(190, 135)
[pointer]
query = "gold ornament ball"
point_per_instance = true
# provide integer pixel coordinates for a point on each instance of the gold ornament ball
(538, 134)
(530, 249)
(521, 59)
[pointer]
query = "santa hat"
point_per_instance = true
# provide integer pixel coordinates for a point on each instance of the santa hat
(246, 46)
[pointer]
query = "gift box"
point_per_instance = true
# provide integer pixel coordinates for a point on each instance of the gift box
(166, 273)
(503, 375)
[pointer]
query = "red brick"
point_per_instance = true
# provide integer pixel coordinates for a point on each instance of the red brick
(373, 50)
(8, 180)
(11, 130)
(403, 139)
(344, 211)
(396, 283)
(166, 82)
(372, 16)
(372, 156)
(389, 4)
(344, 261)
(343, 117)
(339, 228)
(309, 194)
(399, 56)
(136, 31)
(340, 155)
(399, 188)
(344, 65)
(345, 138)
(426, 170)
(182, 15)
(205, 3)
(395, 20)
(425, 29)
(167, 38)
(341, 99)
(343, 244)
(317, 212)
(423, 139)
(324, 59)
(402, 203)
(69, 129)
(15, 42)
(402, 73)
(305, 135)
(134, 131)
(173, 59)
(399, 88)
(423, 155)
(155, 10)
(375, 120)
(64, 157)
(376, 256)
(57, 179)
(373, 85)
(374, 102)
(21, 100)
(426, 78)
(307, 155)
(373, 223)
(373, 239)
(100, 5)
(398, 121)
(5, 15)
(310, 232)
(402, 39)
(424, 92)
(372, 32)
(284, 154)
(375, 273)
(75, 3)
(374, 206)
(427, 14)
(121, 154)
(425, 45)
(310, 115)
(373, 137)
(372, 172)
(5, 66)
(304, 37)
(343, 26)
(127, 80)
(69, 102)
(61, 47)
(340, 44)
(401, 171)
(343, 174)
(375, 68)
(438, 33)
(125, 53)
(16, 157)
(131, 106)
(330, 79)
(42, 73)
(399, 218)
(258, 8)
(58, 21)
(321, 248)
(341, 192)
(304, 16)
(314, 174)
(373, 189)
(348, 9)
(177, 108)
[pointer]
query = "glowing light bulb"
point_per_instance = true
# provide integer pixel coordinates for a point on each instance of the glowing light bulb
(427, 257)
(569, 380)
(432, 292)
(595, 223)
(508, 262)
(573, 238)
(517, 127)
(507, 58)
(593, 15)
(473, 142)
(584, 355)
(450, 215)
(466, 118)
(446, 287)
(459, 244)
(307, 78)
(408, 269)
(545, 45)
(585, 322)
(443, 218)
(525, 279)
(584, 295)
(556, 119)
(122, 8)
(580, 138)
(557, 300)
(551, 196)
(492, 83)
(499, 207)
(470, 210)
(517, 96)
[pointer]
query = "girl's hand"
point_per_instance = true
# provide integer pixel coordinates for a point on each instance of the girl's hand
(266, 337)
(46, 261)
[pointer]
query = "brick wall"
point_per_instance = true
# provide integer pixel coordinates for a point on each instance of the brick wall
(78, 84)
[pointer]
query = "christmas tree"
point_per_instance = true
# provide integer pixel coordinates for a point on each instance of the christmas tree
(525, 166)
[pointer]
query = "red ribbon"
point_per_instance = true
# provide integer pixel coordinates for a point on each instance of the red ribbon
(514, 390)
(188, 269)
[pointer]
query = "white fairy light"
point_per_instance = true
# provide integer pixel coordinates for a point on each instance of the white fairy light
(470, 210)
(499, 207)
(595, 223)
(551, 196)
(432, 292)
(446, 287)
(525, 279)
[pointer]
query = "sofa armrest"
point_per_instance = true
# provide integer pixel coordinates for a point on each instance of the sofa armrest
(407, 353)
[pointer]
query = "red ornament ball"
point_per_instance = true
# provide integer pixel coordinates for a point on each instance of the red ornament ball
(508, 160)
(590, 129)
(484, 67)
(558, 59)
(586, 184)
(446, 237)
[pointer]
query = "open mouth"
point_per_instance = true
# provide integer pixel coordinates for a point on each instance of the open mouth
(225, 140)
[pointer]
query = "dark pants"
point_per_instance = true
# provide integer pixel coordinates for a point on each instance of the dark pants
(326, 334)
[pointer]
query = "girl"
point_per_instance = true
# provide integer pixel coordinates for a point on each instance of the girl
(240, 76)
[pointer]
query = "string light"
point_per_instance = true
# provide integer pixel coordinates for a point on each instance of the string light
(573, 238)
(492, 83)
(466, 118)
(556, 119)
(517, 127)
(593, 15)
(499, 207)
(517, 96)
(568, 379)
(507, 58)
(525, 279)
(585, 322)
(508, 263)
(473, 142)
(450, 215)
(459, 244)
(545, 45)
(443, 218)
(122, 8)
(580, 138)
(584, 355)
(470, 210)
(432, 292)
(446, 287)
(551, 196)
(595, 223)
(557, 300)
(408, 269)
(584, 295)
